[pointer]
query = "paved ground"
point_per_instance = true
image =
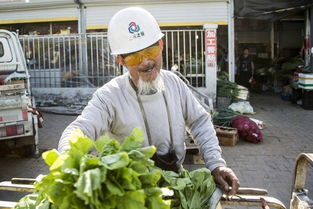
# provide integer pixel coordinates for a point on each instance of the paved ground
(268, 165)
(32, 167)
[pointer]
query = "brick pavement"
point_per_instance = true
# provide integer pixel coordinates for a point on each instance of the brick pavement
(288, 131)
(269, 165)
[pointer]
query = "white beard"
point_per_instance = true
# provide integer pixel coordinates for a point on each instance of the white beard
(148, 88)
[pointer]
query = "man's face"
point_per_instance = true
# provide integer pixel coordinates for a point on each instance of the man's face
(246, 52)
(148, 69)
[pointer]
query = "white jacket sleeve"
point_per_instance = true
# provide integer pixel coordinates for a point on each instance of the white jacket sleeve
(199, 122)
(94, 120)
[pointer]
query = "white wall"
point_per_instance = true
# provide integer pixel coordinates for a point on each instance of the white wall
(165, 14)
(21, 16)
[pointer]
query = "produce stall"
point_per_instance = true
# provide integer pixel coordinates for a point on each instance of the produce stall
(246, 197)
(122, 175)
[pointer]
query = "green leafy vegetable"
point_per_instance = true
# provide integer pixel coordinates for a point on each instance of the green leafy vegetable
(115, 161)
(116, 176)
(192, 190)
(223, 116)
(50, 156)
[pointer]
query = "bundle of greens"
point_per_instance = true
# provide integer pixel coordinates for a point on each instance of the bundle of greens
(222, 75)
(227, 89)
(280, 67)
(118, 176)
(223, 116)
(192, 190)
(108, 175)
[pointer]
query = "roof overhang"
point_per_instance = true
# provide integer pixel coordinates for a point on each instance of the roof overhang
(269, 9)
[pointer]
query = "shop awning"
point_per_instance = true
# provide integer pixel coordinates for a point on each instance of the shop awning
(269, 9)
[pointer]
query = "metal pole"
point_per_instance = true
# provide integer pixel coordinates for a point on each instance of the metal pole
(81, 16)
(83, 68)
(307, 36)
(311, 38)
(51, 28)
(231, 43)
(272, 41)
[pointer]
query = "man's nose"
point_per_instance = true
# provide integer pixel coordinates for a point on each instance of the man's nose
(145, 60)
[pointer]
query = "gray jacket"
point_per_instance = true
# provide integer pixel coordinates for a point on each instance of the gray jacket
(114, 110)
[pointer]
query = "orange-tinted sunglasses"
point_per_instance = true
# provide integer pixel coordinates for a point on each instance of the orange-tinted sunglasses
(136, 57)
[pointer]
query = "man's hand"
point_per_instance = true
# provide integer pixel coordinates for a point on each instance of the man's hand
(227, 179)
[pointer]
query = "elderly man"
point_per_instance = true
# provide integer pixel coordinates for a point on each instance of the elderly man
(153, 99)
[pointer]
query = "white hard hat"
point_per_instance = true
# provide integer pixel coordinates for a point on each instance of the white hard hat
(131, 30)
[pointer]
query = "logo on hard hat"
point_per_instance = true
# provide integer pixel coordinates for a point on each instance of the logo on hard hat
(134, 30)
(133, 27)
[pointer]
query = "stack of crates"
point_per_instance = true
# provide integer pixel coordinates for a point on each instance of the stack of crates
(306, 83)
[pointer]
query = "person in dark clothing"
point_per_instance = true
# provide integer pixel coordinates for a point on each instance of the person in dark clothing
(245, 69)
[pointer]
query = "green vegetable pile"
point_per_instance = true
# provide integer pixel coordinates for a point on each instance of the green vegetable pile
(118, 176)
(192, 190)
(280, 67)
(227, 89)
(223, 116)
(283, 67)
(106, 174)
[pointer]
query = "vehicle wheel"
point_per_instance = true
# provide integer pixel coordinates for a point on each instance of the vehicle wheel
(4, 149)
(25, 150)
(24, 147)
(8, 148)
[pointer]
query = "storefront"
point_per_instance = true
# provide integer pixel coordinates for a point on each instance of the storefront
(279, 38)
(181, 21)
(86, 15)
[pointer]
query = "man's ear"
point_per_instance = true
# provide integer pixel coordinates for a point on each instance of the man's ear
(120, 60)
(161, 44)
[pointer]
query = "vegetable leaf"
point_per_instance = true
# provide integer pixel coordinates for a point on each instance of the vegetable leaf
(115, 161)
(191, 190)
(106, 146)
(88, 182)
(81, 142)
(133, 141)
(50, 156)
(132, 200)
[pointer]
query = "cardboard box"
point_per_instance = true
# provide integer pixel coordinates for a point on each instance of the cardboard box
(227, 136)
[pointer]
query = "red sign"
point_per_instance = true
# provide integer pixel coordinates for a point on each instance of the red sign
(211, 46)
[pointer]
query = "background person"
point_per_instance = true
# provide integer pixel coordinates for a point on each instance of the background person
(245, 69)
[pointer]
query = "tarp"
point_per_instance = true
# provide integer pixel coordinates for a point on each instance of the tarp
(269, 9)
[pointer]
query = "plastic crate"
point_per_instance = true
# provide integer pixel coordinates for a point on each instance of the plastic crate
(307, 99)
(305, 81)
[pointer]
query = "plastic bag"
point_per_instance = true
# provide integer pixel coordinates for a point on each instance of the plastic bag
(247, 129)
(252, 81)
(242, 107)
